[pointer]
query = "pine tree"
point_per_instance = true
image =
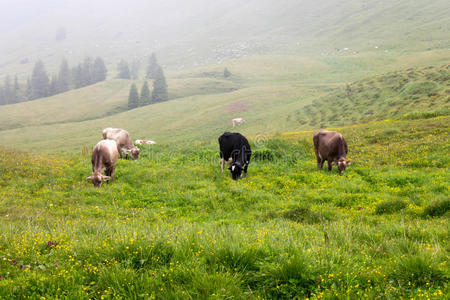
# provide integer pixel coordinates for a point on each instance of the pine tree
(8, 91)
(29, 91)
(226, 73)
(145, 98)
(87, 67)
(63, 77)
(53, 86)
(39, 81)
(77, 76)
(16, 91)
(153, 67)
(99, 70)
(133, 98)
(159, 92)
(124, 71)
(2, 98)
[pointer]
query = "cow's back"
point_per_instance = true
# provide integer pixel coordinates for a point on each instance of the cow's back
(104, 154)
(329, 144)
(232, 144)
(121, 136)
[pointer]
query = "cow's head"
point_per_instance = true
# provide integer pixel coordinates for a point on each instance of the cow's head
(97, 179)
(342, 164)
(133, 152)
(236, 170)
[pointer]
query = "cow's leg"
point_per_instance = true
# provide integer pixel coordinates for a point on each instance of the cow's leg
(222, 163)
(320, 162)
(113, 172)
(330, 162)
(245, 169)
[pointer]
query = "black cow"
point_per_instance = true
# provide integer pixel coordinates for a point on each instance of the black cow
(330, 146)
(235, 150)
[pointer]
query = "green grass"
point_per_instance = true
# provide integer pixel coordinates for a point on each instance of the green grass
(409, 93)
(173, 226)
(269, 108)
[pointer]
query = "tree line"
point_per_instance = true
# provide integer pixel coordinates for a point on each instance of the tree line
(40, 84)
(159, 92)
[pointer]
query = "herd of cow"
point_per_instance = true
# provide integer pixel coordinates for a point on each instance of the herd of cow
(235, 151)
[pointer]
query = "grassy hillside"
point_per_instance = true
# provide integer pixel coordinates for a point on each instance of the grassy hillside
(269, 107)
(97, 101)
(173, 226)
(386, 96)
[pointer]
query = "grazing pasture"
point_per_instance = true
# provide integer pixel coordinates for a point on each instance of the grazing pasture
(173, 226)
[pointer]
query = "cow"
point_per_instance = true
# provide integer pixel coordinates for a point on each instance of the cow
(330, 146)
(148, 142)
(236, 151)
(124, 144)
(104, 159)
(237, 121)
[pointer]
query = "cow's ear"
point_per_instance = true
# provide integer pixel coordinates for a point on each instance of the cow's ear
(229, 168)
(89, 178)
(333, 163)
(106, 178)
(349, 162)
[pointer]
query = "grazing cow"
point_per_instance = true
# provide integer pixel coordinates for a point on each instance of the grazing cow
(104, 158)
(330, 146)
(140, 142)
(235, 150)
(237, 121)
(124, 144)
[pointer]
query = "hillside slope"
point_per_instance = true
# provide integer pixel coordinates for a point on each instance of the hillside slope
(268, 110)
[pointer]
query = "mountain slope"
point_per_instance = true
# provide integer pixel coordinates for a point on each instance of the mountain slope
(268, 110)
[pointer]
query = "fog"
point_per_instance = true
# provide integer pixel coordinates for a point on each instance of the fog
(200, 32)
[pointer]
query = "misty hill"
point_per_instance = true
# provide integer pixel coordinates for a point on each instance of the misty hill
(204, 32)
(267, 109)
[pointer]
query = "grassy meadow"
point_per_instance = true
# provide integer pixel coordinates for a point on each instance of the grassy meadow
(173, 226)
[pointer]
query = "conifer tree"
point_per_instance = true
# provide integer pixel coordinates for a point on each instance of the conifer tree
(226, 73)
(63, 77)
(145, 98)
(124, 70)
(133, 98)
(53, 86)
(29, 91)
(8, 91)
(153, 66)
(77, 76)
(159, 92)
(86, 78)
(2, 98)
(16, 91)
(99, 70)
(39, 81)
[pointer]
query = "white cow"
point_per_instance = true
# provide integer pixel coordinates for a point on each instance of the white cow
(237, 121)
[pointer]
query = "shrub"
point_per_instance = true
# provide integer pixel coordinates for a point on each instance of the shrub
(390, 206)
(437, 208)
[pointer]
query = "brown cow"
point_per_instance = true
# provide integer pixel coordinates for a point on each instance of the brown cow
(124, 144)
(104, 158)
(330, 146)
